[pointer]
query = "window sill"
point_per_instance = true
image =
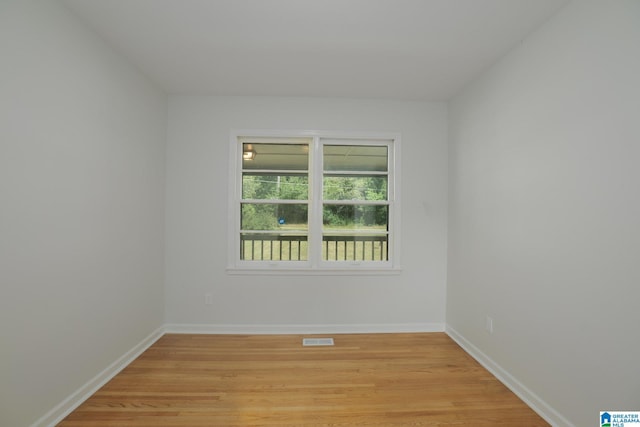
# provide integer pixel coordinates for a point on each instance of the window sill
(275, 271)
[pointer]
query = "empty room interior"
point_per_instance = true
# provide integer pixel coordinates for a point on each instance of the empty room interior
(457, 173)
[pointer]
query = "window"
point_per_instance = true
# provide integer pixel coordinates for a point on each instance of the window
(315, 203)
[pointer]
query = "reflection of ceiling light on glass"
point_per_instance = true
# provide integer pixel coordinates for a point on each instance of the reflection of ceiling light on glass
(248, 155)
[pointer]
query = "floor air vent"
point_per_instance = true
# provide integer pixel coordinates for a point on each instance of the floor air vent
(316, 341)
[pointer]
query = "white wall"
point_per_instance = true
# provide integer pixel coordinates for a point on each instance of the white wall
(81, 208)
(545, 211)
(196, 212)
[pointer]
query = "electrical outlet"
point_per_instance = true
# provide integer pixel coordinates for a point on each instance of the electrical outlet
(489, 324)
(208, 299)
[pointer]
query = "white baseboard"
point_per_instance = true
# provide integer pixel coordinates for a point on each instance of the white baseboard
(63, 409)
(180, 328)
(541, 407)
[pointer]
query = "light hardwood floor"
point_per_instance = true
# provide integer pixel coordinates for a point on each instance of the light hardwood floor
(422, 379)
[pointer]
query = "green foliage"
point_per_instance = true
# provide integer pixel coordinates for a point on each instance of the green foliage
(279, 187)
(336, 216)
(266, 216)
(258, 217)
(355, 188)
(296, 187)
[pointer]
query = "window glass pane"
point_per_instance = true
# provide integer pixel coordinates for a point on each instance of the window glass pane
(273, 247)
(275, 156)
(270, 216)
(354, 187)
(275, 186)
(339, 247)
(355, 218)
(355, 158)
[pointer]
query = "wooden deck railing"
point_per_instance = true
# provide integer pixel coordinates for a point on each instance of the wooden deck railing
(275, 247)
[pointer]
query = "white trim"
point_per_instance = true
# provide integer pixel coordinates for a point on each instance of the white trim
(326, 134)
(233, 245)
(64, 408)
(370, 328)
(284, 270)
(541, 407)
(315, 199)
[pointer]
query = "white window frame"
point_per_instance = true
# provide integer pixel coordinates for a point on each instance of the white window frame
(314, 264)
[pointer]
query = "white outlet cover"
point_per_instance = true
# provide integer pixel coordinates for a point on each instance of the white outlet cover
(489, 324)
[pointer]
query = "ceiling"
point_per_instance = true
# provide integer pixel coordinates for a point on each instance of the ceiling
(397, 49)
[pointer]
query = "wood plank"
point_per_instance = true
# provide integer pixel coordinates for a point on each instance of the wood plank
(418, 379)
